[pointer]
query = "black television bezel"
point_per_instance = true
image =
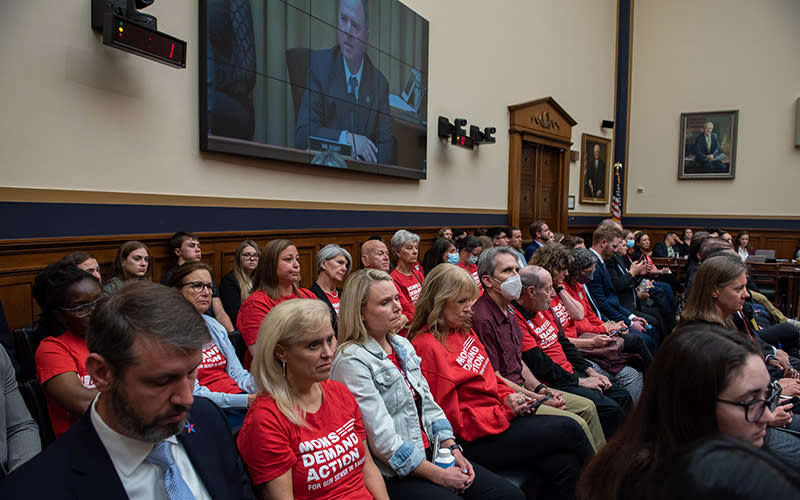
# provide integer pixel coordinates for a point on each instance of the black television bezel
(227, 145)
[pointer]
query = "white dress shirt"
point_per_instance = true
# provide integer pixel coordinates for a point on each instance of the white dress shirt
(143, 480)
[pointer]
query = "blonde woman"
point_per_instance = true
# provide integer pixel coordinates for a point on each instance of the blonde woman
(303, 436)
(237, 285)
(404, 425)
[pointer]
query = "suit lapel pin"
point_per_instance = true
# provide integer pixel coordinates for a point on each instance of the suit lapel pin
(189, 428)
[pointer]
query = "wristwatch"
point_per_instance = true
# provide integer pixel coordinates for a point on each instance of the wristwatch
(454, 447)
(559, 288)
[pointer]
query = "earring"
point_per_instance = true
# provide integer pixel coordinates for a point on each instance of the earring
(284, 368)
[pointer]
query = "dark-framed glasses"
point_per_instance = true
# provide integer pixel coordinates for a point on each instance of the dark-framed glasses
(250, 256)
(82, 310)
(753, 410)
(199, 286)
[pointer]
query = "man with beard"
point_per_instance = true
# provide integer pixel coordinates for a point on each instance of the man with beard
(144, 436)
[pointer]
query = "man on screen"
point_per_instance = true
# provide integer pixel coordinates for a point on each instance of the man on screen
(348, 98)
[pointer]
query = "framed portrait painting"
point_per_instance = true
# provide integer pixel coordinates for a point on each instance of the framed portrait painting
(707, 149)
(595, 158)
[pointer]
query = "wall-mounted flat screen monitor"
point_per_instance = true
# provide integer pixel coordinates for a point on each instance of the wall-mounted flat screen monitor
(335, 83)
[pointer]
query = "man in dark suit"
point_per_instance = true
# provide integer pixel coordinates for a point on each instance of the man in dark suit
(594, 184)
(706, 150)
(348, 98)
(541, 234)
(142, 437)
(605, 241)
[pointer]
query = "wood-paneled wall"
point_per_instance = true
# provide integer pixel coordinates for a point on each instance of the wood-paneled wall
(21, 260)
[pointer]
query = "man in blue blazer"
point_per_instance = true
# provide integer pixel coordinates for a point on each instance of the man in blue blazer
(347, 100)
(605, 241)
(144, 434)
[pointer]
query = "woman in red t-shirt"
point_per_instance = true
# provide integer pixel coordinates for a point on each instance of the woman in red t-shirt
(407, 273)
(220, 376)
(67, 295)
(303, 436)
(276, 279)
(499, 427)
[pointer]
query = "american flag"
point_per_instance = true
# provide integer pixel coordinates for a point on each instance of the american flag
(616, 202)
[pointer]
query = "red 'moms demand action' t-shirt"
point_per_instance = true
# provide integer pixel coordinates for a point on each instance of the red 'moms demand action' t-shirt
(326, 457)
(213, 371)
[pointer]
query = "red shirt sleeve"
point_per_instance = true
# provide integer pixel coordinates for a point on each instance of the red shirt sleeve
(265, 441)
(251, 314)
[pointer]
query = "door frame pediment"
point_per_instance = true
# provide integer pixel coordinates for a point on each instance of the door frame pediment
(542, 121)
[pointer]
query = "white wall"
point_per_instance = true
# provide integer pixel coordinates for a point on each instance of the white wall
(715, 55)
(78, 115)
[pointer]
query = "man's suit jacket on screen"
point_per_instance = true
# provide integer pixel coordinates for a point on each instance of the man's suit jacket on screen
(326, 108)
(701, 148)
(77, 466)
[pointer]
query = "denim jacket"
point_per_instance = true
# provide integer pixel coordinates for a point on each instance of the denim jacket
(387, 406)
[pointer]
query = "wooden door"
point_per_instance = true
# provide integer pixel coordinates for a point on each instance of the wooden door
(539, 185)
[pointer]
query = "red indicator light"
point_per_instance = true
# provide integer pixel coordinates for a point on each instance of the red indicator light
(171, 50)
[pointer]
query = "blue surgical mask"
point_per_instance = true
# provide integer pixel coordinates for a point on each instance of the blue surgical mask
(473, 259)
(453, 258)
(630, 243)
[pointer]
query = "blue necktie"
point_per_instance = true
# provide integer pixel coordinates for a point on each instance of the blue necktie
(352, 88)
(161, 456)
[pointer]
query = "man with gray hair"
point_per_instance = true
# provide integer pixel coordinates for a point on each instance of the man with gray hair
(553, 359)
(495, 325)
(144, 436)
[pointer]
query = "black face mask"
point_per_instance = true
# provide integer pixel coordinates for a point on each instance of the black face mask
(585, 277)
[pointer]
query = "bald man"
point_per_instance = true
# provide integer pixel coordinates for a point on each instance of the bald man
(375, 255)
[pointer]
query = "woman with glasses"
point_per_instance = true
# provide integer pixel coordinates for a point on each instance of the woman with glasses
(276, 279)
(68, 296)
(333, 266)
(237, 285)
(705, 380)
(132, 262)
(220, 376)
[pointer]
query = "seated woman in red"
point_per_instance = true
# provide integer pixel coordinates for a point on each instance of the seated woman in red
(220, 376)
(275, 280)
(499, 427)
(69, 296)
(303, 436)
(407, 273)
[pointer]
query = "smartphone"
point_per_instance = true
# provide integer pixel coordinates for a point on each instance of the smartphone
(792, 400)
(617, 331)
(535, 405)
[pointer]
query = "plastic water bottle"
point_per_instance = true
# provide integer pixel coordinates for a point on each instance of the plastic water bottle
(445, 458)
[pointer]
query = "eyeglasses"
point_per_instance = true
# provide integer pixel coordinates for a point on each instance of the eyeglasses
(250, 256)
(82, 310)
(753, 410)
(199, 286)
